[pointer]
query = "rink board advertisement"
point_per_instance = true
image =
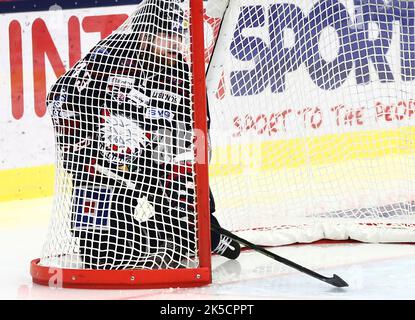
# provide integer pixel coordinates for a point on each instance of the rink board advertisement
(261, 82)
(306, 64)
(37, 47)
(330, 71)
(10, 6)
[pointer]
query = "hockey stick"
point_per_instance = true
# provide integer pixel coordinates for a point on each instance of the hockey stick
(334, 281)
(108, 173)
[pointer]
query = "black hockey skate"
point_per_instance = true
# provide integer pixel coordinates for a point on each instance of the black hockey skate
(227, 248)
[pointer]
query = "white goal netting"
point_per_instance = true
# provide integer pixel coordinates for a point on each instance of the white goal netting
(313, 113)
(312, 116)
(123, 118)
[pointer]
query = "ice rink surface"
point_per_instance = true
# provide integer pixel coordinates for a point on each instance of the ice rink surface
(373, 271)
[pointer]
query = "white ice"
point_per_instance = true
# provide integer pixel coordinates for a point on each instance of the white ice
(373, 271)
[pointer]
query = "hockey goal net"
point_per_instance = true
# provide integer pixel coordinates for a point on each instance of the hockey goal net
(311, 109)
(131, 206)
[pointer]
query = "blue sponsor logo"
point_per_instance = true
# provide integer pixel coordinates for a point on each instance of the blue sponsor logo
(91, 208)
(157, 113)
(273, 60)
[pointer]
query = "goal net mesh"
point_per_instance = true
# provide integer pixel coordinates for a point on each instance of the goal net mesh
(311, 116)
(123, 118)
(312, 107)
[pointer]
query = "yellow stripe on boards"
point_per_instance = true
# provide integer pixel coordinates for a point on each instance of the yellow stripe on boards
(27, 183)
(37, 182)
(311, 151)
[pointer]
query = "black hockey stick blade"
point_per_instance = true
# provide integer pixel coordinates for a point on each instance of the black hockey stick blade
(334, 281)
(338, 282)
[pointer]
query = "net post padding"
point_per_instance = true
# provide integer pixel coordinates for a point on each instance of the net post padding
(119, 279)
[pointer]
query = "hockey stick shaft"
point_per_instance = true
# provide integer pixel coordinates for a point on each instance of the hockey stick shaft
(108, 173)
(335, 280)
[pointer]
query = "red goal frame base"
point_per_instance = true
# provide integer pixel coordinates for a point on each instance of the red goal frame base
(119, 279)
